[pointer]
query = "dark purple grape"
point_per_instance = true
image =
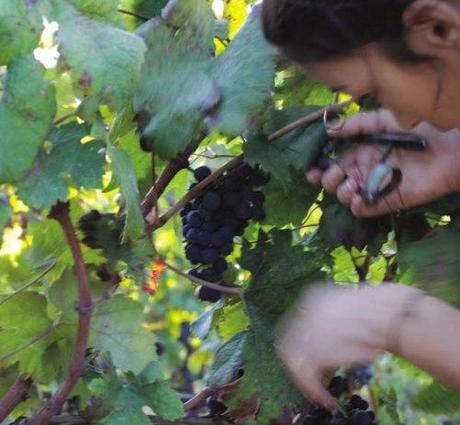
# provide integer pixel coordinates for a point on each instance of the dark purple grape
(226, 249)
(356, 402)
(211, 201)
(218, 239)
(159, 348)
(220, 266)
(232, 199)
(231, 223)
(258, 213)
(193, 235)
(185, 229)
(186, 210)
(338, 386)
(209, 256)
(207, 294)
(215, 407)
(360, 417)
(204, 238)
(259, 178)
(195, 273)
(194, 219)
(210, 226)
(193, 253)
(362, 374)
(201, 173)
(232, 183)
(243, 211)
(211, 275)
(257, 198)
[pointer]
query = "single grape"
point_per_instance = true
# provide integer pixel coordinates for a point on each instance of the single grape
(193, 253)
(204, 238)
(259, 178)
(362, 374)
(360, 417)
(218, 239)
(243, 211)
(226, 249)
(210, 226)
(232, 199)
(211, 275)
(215, 407)
(211, 201)
(209, 256)
(201, 173)
(338, 386)
(257, 198)
(207, 294)
(220, 266)
(258, 213)
(159, 348)
(356, 402)
(194, 219)
(193, 235)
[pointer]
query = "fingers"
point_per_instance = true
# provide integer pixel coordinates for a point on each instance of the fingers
(366, 123)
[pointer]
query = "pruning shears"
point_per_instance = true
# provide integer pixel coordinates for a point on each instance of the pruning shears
(373, 191)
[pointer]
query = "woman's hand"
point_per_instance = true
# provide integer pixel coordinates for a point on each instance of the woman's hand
(427, 175)
(335, 326)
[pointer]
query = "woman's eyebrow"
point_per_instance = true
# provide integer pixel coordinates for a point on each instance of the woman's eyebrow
(336, 89)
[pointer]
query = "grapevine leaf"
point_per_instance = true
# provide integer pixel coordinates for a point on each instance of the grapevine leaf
(83, 163)
(244, 74)
(147, 8)
(433, 262)
(117, 328)
(195, 18)
(5, 214)
(438, 399)
(125, 176)
(227, 360)
(175, 89)
(103, 9)
(275, 284)
(296, 151)
(232, 320)
(164, 400)
(147, 389)
(21, 25)
(23, 319)
(104, 61)
(289, 206)
(277, 278)
(27, 109)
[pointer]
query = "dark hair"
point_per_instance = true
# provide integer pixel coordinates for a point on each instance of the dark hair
(315, 30)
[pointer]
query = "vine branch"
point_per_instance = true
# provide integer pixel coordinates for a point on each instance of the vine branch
(136, 15)
(15, 396)
(154, 222)
(224, 289)
(60, 212)
(168, 174)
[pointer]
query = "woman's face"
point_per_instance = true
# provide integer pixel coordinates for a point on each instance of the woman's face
(421, 92)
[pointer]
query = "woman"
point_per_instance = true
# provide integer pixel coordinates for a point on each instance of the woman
(407, 54)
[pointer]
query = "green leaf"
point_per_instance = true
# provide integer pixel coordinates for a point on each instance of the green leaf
(289, 206)
(438, 399)
(128, 409)
(151, 373)
(174, 91)
(104, 61)
(21, 24)
(227, 360)
(117, 328)
(244, 74)
(27, 109)
(164, 400)
(103, 9)
(296, 151)
(125, 177)
(276, 281)
(69, 158)
(24, 319)
(277, 278)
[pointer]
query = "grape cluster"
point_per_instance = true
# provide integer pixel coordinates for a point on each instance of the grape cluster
(356, 408)
(212, 220)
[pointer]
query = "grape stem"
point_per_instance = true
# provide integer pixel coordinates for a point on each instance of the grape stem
(171, 170)
(223, 289)
(201, 397)
(15, 396)
(168, 174)
(136, 15)
(60, 212)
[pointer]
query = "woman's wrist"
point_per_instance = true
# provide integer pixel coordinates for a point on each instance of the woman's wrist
(395, 305)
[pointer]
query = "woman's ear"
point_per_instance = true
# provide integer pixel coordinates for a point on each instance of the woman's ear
(432, 25)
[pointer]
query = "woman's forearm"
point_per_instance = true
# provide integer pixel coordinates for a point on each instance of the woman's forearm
(430, 338)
